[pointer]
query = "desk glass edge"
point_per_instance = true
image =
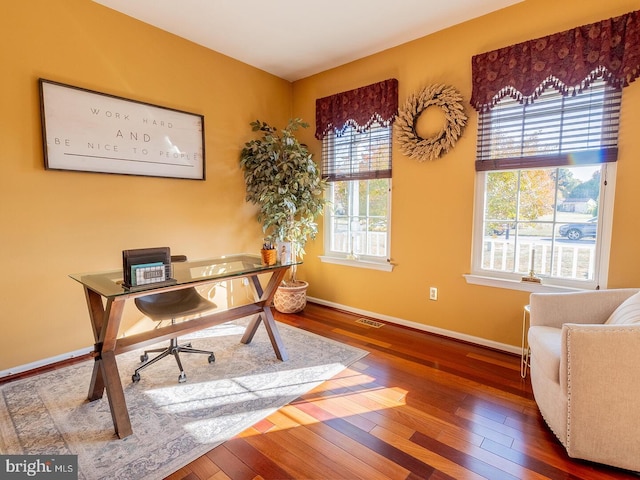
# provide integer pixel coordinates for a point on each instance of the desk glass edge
(105, 283)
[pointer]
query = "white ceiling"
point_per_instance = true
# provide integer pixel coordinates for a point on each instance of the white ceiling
(297, 38)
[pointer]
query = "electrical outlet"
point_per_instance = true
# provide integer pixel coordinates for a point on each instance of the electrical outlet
(433, 293)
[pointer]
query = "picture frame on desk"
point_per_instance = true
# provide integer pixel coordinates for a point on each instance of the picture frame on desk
(284, 252)
(89, 131)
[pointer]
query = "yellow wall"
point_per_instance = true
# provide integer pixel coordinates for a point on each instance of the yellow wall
(432, 203)
(55, 223)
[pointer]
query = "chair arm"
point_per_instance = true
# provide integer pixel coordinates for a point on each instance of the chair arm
(593, 306)
(600, 365)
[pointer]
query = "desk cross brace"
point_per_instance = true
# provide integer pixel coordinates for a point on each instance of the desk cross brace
(105, 321)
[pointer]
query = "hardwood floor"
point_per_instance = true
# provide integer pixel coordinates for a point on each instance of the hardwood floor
(418, 406)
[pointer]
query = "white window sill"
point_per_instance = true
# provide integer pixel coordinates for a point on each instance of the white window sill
(385, 267)
(517, 285)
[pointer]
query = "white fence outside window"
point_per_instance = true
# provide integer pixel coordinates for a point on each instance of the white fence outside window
(364, 243)
(575, 261)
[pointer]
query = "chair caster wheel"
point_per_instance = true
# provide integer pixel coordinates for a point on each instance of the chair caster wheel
(135, 377)
(211, 358)
(182, 378)
(144, 357)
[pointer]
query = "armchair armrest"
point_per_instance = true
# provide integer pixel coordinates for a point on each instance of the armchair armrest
(594, 306)
(603, 395)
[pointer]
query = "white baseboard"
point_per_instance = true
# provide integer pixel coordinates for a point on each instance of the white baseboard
(425, 328)
(418, 326)
(45, 362)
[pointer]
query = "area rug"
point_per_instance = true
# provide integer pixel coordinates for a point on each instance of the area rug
(173, 423)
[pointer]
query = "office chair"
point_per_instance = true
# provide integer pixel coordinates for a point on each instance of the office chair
(169, 306)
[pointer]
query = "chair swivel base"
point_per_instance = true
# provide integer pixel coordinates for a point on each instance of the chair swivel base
(173, 349)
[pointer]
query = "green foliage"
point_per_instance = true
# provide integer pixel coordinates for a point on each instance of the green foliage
(589, 189)
(535, 197)
(502, 191)
(284, 181)
(566, 181)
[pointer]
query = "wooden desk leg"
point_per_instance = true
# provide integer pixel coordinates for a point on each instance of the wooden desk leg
(97, 317)
(266, 296)
(274, 335)
(272, 331)
(96, 386)
(105, 375)
(251, 329)
(115, 394)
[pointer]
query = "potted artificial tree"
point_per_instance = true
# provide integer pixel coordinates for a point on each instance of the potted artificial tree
(282, 178)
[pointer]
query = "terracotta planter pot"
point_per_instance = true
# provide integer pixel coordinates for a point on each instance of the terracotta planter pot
(291, 298)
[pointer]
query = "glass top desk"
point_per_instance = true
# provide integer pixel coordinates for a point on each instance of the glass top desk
(106, 296)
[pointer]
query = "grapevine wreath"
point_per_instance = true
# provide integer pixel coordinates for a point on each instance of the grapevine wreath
(446, 98)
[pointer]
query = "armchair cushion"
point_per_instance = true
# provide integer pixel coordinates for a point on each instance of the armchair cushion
(546, 342)
(628, 312)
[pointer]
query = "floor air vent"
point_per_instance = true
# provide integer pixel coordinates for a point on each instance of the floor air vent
(371, 323)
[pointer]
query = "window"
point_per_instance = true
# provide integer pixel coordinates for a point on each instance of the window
(358, 169)
(545, 181)
(355, 128)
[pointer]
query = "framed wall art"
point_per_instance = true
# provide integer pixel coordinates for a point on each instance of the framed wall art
(91, 131)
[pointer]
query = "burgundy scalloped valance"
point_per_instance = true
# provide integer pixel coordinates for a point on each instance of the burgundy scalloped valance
(359, 108)
(568, 60)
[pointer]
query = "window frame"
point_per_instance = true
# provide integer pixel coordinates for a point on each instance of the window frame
(480, 276)
(341, 258)
(510, 280)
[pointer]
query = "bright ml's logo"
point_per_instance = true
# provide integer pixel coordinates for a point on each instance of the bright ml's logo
(50, 467)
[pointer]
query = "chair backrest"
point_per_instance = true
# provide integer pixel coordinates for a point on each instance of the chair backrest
(174, 304)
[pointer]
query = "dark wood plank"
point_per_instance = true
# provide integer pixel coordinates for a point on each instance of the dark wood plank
(229, 463)
(259, 462)
(202, 467)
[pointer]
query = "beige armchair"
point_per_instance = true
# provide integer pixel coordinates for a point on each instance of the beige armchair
(585, 374)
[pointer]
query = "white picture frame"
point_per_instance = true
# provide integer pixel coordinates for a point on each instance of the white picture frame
(284, 252)
(89, 131)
